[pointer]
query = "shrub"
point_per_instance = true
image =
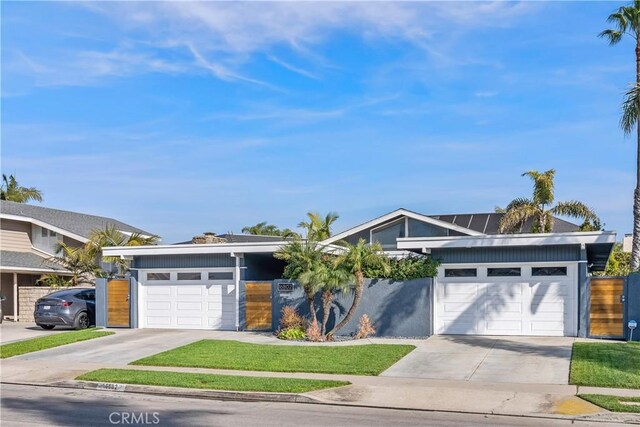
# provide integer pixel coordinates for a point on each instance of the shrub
(314, 333)
(291, 319)
(296, 333)
(407, 268)
(365, 328)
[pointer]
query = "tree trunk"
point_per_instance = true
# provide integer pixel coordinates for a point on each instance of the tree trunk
(312, 307)
(357, 296)
(635, 250)
(327, 300)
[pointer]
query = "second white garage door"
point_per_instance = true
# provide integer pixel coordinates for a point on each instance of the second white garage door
(188, 306)
(525, 305)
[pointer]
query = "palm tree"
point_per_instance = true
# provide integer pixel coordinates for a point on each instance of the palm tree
(79, 261)
(539, 208)
(12, 191)
(265, 229)
(626, 22)
(319, 228)
(304, 258)
(355, 260)
(110, 236)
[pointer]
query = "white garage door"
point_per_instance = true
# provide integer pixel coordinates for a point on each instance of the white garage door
(530, 304)
(187, 306)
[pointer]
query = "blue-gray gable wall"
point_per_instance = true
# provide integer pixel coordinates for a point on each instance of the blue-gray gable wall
(184, 261)
(508, 254)
(632, 305)
(256, 268)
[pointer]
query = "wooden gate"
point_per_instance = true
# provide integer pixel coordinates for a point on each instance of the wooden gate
(118, 304)
(606, 315)
(258, 305)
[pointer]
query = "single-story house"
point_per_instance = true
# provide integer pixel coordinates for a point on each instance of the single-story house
(488, 283)
(28, 238)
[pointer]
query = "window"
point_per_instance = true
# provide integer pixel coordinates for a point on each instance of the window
(158, 276)
(221, 276)
(503, 272)
(44, 232)
(386, 235)
(189, 276)
(460, 272)
(52, 233)
(549, 271)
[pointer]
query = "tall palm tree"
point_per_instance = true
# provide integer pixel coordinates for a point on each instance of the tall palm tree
(356, 259)
(626, 22)
(110, 236)
(304, 258)
(12, 191)
(539, 208)
(265, 229)
(318, 227)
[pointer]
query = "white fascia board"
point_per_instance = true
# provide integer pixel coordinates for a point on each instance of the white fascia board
(58, 230)
(401, 212)
(496, 240)
(33, 270)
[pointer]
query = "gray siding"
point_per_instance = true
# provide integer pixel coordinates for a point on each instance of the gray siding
(262, 267)
(184, 261)
(633, 304)
(508, 254)
(396, 309)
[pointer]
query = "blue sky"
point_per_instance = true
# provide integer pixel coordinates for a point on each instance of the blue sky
(183, 117)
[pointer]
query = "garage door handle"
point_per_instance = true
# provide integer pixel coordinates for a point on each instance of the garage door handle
(622, 298)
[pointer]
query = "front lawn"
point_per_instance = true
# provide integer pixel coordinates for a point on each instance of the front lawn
(606, 364)
(43, 343)
(209, 381)
(613, 403)
(368, 359)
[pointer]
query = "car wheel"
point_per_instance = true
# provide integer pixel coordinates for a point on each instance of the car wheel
(48, 327)
(82, 321)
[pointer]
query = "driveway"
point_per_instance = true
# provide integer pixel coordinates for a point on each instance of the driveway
(18, 331)
(534, 360)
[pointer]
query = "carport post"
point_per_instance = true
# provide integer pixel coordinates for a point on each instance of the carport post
(15, 297)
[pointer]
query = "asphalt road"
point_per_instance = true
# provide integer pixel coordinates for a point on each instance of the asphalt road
(33, 406)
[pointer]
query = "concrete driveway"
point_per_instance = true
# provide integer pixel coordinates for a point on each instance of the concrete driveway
(18, 331)
(534, 360)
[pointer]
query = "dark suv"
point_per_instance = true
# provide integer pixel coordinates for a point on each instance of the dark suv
(70, 307)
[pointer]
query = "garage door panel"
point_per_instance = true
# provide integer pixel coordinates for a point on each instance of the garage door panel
(524, 306)
(188, 306)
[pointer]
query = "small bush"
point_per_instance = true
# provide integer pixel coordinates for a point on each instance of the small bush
(407, 268)
(314, 333)
(365, 328)
(296, 333)
(290, 319)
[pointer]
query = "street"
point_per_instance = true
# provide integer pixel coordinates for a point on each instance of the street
(32, 405)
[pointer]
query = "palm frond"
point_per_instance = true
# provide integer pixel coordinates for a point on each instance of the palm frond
(630, 109)
(542, 186)
(575, 209)
(514, 218)
(516, 203)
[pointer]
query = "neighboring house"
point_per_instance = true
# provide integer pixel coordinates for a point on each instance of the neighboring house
(28, 238)
(488, 283)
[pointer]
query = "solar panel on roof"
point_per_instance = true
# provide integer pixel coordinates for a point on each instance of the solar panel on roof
(478, 222)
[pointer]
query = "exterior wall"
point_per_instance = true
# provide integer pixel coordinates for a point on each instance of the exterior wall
(632, 306)
(15, 236)
(396, 309)
(27, 297)
(101, 303)
(6, 290)
(184, 261)
(415, 229)
(508, 254)
(46, 243)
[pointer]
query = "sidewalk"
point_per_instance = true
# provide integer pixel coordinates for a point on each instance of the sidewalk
(537, 400)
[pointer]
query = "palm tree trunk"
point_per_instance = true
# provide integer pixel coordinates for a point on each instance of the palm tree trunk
(312, 308)
(357, 297)
(327, 300)
(635, 250)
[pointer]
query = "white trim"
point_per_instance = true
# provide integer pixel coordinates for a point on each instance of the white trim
(81, 239)
(236, 277)
(572, 238)
(396, 213)
(15, 296)
(35, 270)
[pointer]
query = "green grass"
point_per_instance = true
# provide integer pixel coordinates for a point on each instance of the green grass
(368, 359)
(43, 343)
(612, 403)
(209, 381)
(606, 365)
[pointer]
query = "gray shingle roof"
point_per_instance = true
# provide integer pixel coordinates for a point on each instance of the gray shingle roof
(10, 259)
(242, 238)
(488, 223)
(77, 223)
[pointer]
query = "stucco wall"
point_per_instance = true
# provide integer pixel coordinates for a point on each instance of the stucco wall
(27, 297)
(397, 309)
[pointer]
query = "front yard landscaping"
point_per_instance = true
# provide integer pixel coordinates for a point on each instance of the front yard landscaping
(368, 359)
(43, 343)
(613, 403)
(209, 381)
(606, 365)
